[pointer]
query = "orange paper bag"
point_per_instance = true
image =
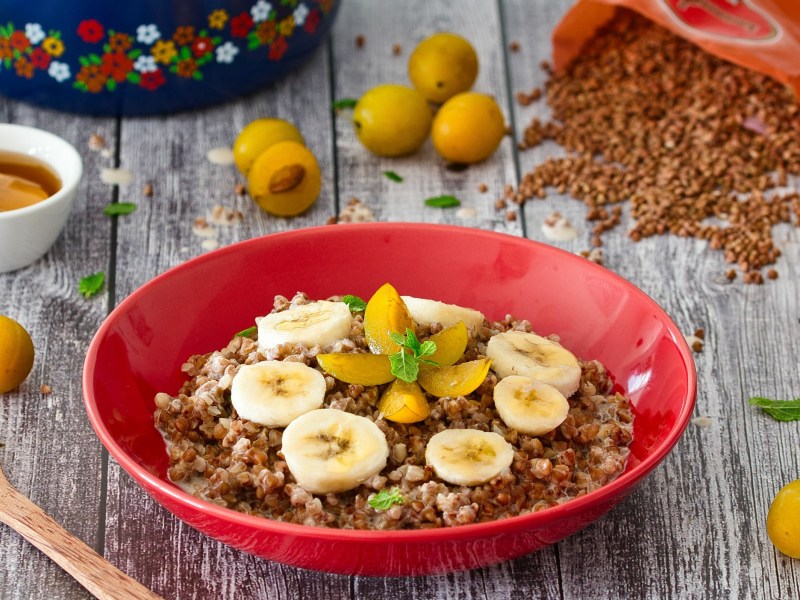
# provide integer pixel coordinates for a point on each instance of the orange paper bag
(763, 35)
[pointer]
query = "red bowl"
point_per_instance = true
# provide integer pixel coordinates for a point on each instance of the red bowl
(197, 306)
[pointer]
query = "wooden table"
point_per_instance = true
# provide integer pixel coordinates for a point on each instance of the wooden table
(693, 529)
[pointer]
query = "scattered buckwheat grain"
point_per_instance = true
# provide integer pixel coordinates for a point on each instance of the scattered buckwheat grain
(691, 141)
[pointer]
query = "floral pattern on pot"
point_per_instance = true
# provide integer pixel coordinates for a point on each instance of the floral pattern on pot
(147, 57)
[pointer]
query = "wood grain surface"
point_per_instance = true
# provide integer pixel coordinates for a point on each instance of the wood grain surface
(693, 529)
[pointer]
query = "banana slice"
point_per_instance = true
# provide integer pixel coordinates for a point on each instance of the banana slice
(520, 353)
(274, 393)
(315, 324)
(330, 451)
(468, 456)
(530, 406)
(426, 312)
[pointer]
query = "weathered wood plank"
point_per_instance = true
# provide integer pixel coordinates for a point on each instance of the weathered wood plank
(170, 152)
(383, 24)
(696, 526)
(48, 449)
(356, 70)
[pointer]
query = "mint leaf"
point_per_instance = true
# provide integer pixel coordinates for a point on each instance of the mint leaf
(119, 208)
(393, 176)
(91, 284)
(385, 499)
(354, 303)
(344, 103)
(412, 343)
(404, 366)
(405, 362)
(426, 349)
(780, 410)
(250, 332)
(443, 201)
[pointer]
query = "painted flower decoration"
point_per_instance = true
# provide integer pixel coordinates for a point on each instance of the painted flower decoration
(202, 46)
(91, 31)
(183, 35)
(34, 33)
(145, 64)
(241, 25)
(286, 27)
(53, 46)
(164, 51)
(40, 59)
(119, 42)
(278, 48)
(312, 21)
(227, 52)
(59, 71)
(152, 80)
(260, 11)
(24, 68)
(116, 65)
(147, 34)
(300, 13)
(19, 41)
(217, 19)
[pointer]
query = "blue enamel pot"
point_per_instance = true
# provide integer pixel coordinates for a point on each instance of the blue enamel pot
(152, 56)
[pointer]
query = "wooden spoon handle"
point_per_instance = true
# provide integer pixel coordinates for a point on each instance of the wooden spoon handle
(90, 569)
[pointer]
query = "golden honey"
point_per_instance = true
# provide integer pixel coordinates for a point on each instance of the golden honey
(25, 180)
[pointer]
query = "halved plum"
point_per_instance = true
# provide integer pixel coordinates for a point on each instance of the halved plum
(456, 380)
(404, 402)
(363, 369)
(385, 313)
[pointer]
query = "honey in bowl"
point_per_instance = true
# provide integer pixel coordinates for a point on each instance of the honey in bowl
(25, 180)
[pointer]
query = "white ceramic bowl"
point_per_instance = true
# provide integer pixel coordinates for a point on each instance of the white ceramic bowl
(27, 233)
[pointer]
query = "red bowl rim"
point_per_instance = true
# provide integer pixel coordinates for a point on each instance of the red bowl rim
(623, 483)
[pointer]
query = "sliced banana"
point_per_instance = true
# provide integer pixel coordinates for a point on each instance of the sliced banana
(529, 406)
(521, 353)
(425, 312)
(274, 393)
(330, 451)
(468, 456)
(315, 324)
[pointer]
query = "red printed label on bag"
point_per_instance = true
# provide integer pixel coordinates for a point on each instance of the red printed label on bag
(725, 18)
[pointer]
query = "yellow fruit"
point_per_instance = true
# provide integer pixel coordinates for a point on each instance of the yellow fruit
(392, 120)
(285, 179)
(385, 313)
(443, 65)
(260, 135)
(783, 520)
(450, 344)
(404, 402)
(363, 369)
(457, 380)
(468, 128)
(16, 354)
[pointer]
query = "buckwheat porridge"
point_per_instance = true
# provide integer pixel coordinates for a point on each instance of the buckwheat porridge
(399, 413)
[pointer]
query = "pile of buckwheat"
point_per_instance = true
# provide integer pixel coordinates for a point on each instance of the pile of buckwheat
(691, 141)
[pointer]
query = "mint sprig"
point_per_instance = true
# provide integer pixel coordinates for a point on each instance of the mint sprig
(392, 176)
(354, 303)
(119, 208)
(344, 103)
(405, 362)
(91, 284)
(780, 410)
(250, 332)
(443, 201)
(385, 499)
